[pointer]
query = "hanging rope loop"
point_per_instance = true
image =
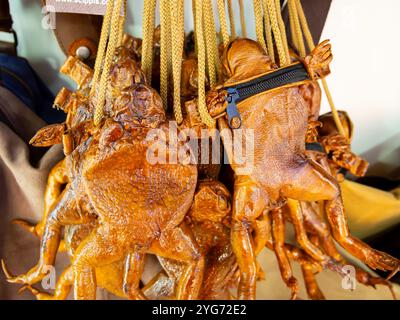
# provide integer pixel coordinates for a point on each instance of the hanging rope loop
(165, 50)
(171, 55)
(311, 45)
(258, 15)
(201, 57)
(296, 31)
(242, 19)
(114, 11)
(282, 28)
(278, 29)
(122, 23)
(268, 32)
(231, 19)
(210, 35)
(223, 22)
(148, 38)
(177, 29)
(105, 29)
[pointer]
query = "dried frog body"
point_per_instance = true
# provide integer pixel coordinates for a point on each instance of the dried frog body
(311, 231)
(140, 207)
(282, 170)
(338, 147)
(209, 219)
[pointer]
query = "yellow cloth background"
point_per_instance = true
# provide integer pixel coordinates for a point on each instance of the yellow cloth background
(369, 210)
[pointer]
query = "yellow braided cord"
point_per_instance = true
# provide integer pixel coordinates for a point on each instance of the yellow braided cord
(277, 32)
(201, 56)
(112, 45)
(165, 51)
(242, 19)
(296, 28)
(282, 28)
(122, 24)
(177, 29)
(258, 14)
(268, 32)
(292, 27)
(304, 25)
(210, 34)
(148, 38)
(222, 21)
(194, 22)
(231, 19)
(335, 113)
(101, 51)
(194, 14)
(311, 45)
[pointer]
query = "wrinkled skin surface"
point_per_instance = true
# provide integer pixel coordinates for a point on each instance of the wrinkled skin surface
(282, 169)
(140, 207)
(309, 222)
(209, 219)
(338, 147)
(69, 101)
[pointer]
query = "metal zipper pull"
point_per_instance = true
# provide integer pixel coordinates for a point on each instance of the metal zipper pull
(234, 119)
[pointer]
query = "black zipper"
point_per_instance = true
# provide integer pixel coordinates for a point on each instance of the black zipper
(242, 91)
